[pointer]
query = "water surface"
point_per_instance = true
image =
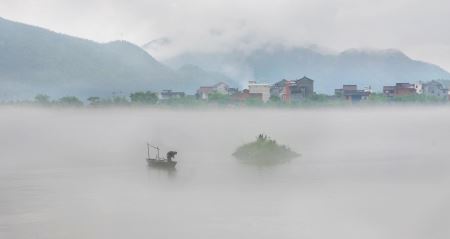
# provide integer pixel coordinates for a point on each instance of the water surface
(363, 173)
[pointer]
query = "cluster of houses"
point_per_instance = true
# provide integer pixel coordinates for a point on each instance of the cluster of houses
(285, 90)
(432, 88)
(297, 90)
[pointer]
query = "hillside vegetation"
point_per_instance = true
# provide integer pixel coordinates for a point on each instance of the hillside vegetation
(264, 151)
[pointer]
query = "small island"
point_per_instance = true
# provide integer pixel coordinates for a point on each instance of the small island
(264, 151)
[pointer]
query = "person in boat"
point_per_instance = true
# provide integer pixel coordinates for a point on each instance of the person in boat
(171, 155)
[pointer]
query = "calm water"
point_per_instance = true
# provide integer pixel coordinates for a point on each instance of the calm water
(364, 173)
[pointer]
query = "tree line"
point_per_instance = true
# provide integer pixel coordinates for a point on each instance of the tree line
(145, 98)
(151, 98)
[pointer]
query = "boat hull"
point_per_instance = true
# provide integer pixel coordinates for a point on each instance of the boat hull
(161, 163)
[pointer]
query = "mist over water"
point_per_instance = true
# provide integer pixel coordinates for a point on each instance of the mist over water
(363, 173)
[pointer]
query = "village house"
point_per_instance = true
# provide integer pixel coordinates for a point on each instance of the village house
(169, 94)
(296, 90)
(435, 89)
(351, 93)
(303, 88)
(259, 88)
(389, 91)
(400, 89)
(281, 89)
(404, 89)
(246, 95)
(204, 91)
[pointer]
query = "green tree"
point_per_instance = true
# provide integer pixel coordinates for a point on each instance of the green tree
(70, 101)
(94, 100)
(144, 97)
(253, 102)
(120, 100)
(318, 98)
(219, 98)
(378, 98)
(274, 99)
(415, 98)
(188, 100)
(42, 99)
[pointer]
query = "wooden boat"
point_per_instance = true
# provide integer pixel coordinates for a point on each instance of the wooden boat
(161, 162)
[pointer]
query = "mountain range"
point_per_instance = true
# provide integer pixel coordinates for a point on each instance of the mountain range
(374, 68)
(34, 61)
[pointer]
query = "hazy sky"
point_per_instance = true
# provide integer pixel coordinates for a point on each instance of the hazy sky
(417, 27)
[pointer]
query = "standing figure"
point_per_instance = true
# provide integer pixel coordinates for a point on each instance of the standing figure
(171, 155)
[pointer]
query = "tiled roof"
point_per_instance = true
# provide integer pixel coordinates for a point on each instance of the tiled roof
(305, 78)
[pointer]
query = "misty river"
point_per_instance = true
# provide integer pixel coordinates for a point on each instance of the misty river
(363, 173)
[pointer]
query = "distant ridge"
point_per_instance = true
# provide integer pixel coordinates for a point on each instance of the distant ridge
(34, 60)
(272, 63)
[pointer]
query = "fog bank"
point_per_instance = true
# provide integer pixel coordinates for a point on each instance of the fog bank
(363, 173)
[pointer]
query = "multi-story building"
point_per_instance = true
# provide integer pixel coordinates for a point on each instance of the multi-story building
(259, 88)
(293, 90)
(435, 89)
(204, 91)
(400, 89)
(351, 93)
(303, 88)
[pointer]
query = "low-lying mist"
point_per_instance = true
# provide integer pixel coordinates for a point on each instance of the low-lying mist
(362, 173)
